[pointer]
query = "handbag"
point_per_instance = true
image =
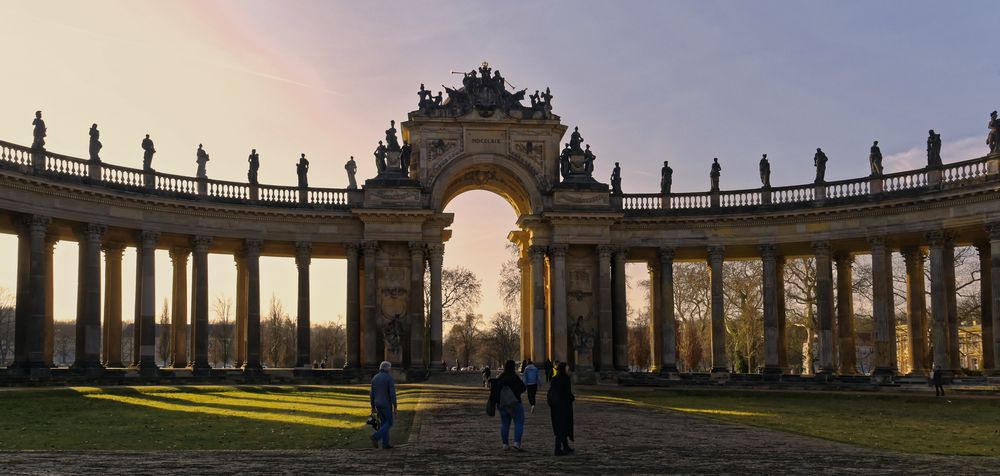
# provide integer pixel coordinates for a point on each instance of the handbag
(374, 420)
(491, 408)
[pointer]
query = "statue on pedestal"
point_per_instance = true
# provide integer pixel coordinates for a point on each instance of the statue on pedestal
(391, 142)
(564, 168)
(392, 333)
(535, 100)
(715, 174)
(819, 160)
(588, 161)
(254, 161)
(616, 180)
(547, 103)
(404, 157)
(575, 140)
(352, 169)
(666, 179)
(202, 160)
(380, 157)
(147, 154)
(302, 170)
(424, 97)
(933, 149)
(875, 160)
(765, 172)
(993, 139)
(39, 132)
(583, 340)
(95, 144)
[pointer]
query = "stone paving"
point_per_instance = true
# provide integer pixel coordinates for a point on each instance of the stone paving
(452, 435)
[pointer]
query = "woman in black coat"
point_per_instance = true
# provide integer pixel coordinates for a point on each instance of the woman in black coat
(560, 399)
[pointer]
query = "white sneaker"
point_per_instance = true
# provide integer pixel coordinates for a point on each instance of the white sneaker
(506, 447)
(532, 409)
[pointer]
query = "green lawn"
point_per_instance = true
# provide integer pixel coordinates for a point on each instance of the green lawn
(216, 417)
(913, 424)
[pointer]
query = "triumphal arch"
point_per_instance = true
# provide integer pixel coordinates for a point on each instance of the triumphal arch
(575, 234)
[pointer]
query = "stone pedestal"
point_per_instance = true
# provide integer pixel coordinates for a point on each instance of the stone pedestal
(581, 193)
(584, 371)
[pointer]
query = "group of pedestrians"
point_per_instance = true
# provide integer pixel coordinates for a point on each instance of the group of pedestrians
(505, 399)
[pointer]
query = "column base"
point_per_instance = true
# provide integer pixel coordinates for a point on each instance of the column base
(772, 373)
(203, 370)
(303, 371)
(148, 370)
(585, 376)
(87, 368)
(883, 376)
(670, 372)
(114, 365)
(719, 375)
(824, 376)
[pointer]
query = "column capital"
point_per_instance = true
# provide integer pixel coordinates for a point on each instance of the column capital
(36, 223)
(113, 249)
(435, 250)
(621, 252)
(350, 246)
(179, 256)
(148, 239)
(537, 251)
(558, 250)
(252, 247)
(303, 253)
(93, 231)
(604, 251)
(767, 251)
(843, 257)
(369, 247)
(938, 238)
(200, 243)
(417, 246)
(716, 253)
(820, 248)
(994, 230)
(666, 255)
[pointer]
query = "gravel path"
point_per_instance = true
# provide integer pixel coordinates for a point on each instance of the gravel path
(452, 435)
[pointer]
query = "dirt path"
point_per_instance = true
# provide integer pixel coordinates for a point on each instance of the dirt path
(452, 435)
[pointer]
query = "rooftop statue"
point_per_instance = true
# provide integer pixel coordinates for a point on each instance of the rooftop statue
(391, 143)
(875, 160)
(438, 99)
(404, 158)
(425, 100)
(39, 132)
(302, 170)
(547, 104)
(666, 178)
(352, 169)
(254, 161)
(202, 160)
(616, 180)
(588, 161)
(819, 160)
(715, 174)
(765, 172)
(147, 153)
(564, 167)
(484, 91)
(380, 157)
(993, 140)
(535, 100)
(95, 144)
(933, 149)
(575, 140)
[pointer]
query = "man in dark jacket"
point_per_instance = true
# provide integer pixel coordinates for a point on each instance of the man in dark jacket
(560, 399)
(383, 400)
(548, 370)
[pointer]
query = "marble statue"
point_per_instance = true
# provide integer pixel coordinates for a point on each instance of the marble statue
(875, 160)
(993, 139)
(616, 180)
(39, 132)
(933, 149)
(819, 160)
(666, 178)
(391, 143)
(583, 340)
(352, 169)
(575, 140)
(254, 161)
(424, 97)
(380, 157)
(202, 160)
(715, 174)
(95, 144)
(147, 154)
(765, 172)
(404, 157)
(393, 334)
(302, 170)
(588, 157)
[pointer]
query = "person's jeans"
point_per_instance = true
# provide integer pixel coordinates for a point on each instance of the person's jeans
(518, 416)
(532, 389)
(385, 415)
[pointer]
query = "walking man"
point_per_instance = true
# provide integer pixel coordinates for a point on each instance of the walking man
(531, 382)
(383, 400)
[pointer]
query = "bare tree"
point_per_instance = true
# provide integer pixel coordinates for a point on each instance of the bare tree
(745, 321)
(692, 306)
(128, 336)
(465, 336)
(509, 287)
(278, 336)
(63, 342)
(503, 338)
(220, 348)
(800, 289)
(163, 336)
(461, 291)
(6, 326)
(329, 344)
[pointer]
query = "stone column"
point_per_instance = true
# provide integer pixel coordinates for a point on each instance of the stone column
(824, 305)
(303, 257)
(200, 316)
(559, 329)
(417, 305)
(50, 325)
(137, 308)
(619, 310)
(885, 322)
(369, 327)
(251, 249)
(655, 328)
(779, 271)
(986, 305)
(994, 232)
(916, 309)
(353, 323)
(23, 298)
(146, 294)
(604, 320)
(242, 286)
(952, 296)
(524, 267)
(939, 261)
(112, 333)
(38, 279)
(848, 364)
(88, 317)
(720, 363)
(538, 326)
(772, 367)
(436, 252)
(178, 308)
(668, 333)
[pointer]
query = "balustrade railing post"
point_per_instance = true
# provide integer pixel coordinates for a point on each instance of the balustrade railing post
(715, 198)
(665, 201)
(933, 176)
(993, 164)
(616, 202)
(38, 160)
(94, 171)
(203, 186)
(254, 192)
(765, 196)
(819, 193)
(149, 180)
(303, 195)
(876, 184)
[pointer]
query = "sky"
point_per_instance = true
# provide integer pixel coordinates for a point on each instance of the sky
(645, 81)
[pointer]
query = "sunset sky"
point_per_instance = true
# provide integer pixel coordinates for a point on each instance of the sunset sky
(645, 81)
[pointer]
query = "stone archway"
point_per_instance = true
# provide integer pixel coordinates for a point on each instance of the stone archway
(490, 172)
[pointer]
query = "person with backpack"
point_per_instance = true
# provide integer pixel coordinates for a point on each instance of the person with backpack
(560, 399)
(530, 373)
(505, 396)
